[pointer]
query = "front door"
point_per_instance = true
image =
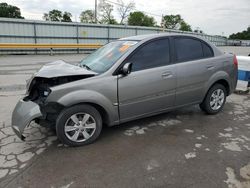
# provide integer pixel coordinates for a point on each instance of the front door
(150, 87)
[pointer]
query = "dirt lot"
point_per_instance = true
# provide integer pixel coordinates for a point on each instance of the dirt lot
(184, 148)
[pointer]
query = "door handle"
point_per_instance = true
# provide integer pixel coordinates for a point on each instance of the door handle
(210, 67)
(166, 75)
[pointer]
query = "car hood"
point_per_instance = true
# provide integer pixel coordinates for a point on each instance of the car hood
(60, 68)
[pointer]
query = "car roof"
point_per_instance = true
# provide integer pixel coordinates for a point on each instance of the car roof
(156, 35)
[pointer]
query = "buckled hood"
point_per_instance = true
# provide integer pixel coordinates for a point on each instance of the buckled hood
(60, 68)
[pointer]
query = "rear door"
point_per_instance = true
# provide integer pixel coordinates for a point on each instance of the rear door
(150, 87)
(194, 67)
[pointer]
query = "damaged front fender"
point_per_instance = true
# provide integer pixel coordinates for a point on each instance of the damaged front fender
(23, 114)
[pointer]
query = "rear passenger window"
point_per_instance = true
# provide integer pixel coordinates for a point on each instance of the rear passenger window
(153, 54)
(188, 49)
(208, 52)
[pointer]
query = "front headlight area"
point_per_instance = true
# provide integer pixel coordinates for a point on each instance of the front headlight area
(28, 83)
(38, 89)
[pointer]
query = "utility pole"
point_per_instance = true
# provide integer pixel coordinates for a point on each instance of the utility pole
(163, 23)
(95, 11)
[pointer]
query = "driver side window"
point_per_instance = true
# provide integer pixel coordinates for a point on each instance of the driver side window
(153, 54)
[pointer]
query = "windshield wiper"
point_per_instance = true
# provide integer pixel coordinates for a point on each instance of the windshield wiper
(85, 66)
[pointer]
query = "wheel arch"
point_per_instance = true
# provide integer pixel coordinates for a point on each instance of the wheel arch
(220, 77)
(221, 81)
(107, 109)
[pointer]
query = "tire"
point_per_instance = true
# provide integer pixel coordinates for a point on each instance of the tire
(78, 125)
(214, 101)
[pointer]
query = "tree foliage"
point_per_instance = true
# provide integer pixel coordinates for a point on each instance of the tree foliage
(9, 11)
(140, 19)
(124, 10)
(175, 22)
(105, 11)
(185, 26)
(244, 35)
(87, 16)
(66, 17)
(57, 16)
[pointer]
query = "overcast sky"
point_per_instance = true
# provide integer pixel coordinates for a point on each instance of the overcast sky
(212, 16)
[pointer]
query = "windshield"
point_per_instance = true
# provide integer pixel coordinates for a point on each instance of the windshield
(105, 57)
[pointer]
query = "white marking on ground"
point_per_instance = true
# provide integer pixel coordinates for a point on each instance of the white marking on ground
(229, 129)
(233, 182)
(40, 150)
(3, 172)
(152, 164)
(137, 130)
(129, 132)
(203, 136)
(68, 185)
(232, 146)
(207, 149)
(245, 172)
(238, 139)
(190, 155)
(227, 135)
(198, 145)
(141, 131)
(189, 131)
(245, 138)
(247, 147)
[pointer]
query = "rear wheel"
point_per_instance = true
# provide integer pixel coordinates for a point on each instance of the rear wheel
(79, 125)
(214, 100)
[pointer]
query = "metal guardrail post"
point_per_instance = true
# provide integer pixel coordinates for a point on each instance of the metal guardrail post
(77, 37)
(108, 33)
(51, 51)
(35, 37)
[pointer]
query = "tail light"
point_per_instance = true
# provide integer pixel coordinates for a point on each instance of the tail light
(235, 61)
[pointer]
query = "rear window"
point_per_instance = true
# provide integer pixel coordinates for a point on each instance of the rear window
(188, 49)
(208, 52)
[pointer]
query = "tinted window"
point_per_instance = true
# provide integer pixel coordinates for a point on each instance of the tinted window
(153, 54)
(188, 49)
(207, 50)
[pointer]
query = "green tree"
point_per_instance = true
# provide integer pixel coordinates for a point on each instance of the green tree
(66, 17)
(87, 16)
(106, 15)
(57, 16)
(9, 11)
(185, 26)
(172, 21)
(244, 35)
(53, 15)
(175, 22)
(140, 19)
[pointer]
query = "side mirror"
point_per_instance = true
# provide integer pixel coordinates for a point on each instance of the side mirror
(126, 69)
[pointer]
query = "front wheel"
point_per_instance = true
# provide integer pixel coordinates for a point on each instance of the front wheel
(79, 125)
(214, 100)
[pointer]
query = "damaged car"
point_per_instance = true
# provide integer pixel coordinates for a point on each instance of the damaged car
(124, 80)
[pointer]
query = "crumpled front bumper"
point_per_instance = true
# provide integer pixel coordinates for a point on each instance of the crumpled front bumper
(23, 114)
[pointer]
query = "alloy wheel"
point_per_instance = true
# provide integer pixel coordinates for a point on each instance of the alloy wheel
(217, 99)
(80, 127)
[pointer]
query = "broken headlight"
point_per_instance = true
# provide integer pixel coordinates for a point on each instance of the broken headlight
(28, 83)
